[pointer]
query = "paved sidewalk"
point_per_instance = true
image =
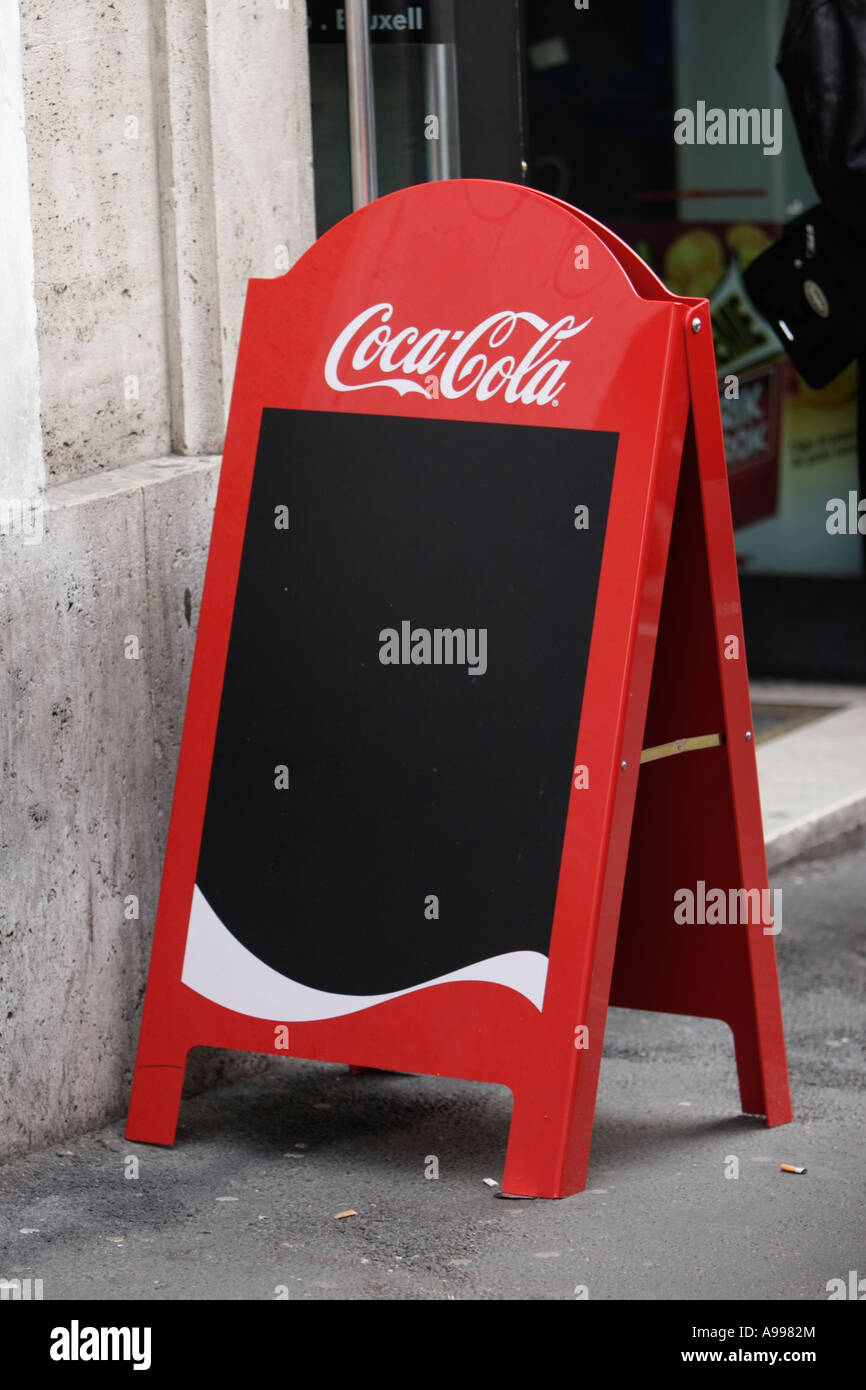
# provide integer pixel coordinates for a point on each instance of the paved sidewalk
(245, 1206)
(813, 777)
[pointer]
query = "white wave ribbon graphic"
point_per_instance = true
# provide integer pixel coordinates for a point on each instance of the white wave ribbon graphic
(218, 967)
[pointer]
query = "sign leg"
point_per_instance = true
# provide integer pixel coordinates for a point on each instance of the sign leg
(697, 931)
(155, 1103)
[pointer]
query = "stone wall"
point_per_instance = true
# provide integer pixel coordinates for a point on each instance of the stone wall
(155, 154)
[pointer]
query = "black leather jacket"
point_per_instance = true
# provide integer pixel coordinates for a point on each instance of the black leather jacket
(822, 62)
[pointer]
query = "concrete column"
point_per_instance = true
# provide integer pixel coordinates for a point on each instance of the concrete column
(262, 143)
(236, 184)
(187, 215)
(21, 465)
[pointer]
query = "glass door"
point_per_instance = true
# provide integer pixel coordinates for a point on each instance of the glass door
(446, 79)
(667, 120)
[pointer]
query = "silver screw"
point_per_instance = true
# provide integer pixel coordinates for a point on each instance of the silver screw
(623, 766)
(696, 325)
(748, 736)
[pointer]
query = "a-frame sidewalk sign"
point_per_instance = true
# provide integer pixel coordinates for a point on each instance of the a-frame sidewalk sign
(468, 723)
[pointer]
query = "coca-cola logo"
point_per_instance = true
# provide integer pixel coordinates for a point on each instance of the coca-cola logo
(459, 363)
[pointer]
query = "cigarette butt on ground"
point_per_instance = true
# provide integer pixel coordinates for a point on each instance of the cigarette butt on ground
(789, 1168)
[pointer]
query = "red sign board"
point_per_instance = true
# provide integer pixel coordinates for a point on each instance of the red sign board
(469, 711)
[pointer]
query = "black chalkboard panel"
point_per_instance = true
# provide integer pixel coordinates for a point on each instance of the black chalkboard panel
(406, 778)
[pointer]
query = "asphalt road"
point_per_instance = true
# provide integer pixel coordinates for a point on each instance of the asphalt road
(244, 1206)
